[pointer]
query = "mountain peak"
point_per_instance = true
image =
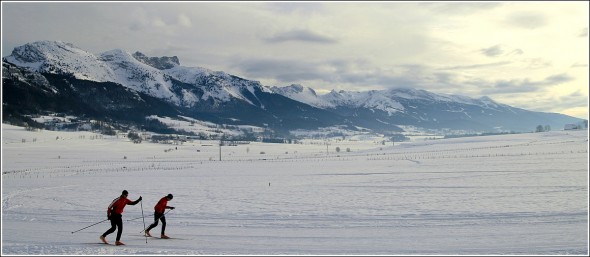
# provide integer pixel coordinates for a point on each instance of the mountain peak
(58, 57)
(161, 63)
(302, 94)
(41, 51)
(486, 99)
(298, 88)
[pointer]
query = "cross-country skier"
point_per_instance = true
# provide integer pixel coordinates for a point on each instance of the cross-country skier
(159, 209)
(114, 213)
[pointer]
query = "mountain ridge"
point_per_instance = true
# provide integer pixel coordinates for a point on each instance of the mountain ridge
(197, 91)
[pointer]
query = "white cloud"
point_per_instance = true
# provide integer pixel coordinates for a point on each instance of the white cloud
(583, 32)
(157, 22)
(527, 20)
(302, 36)
(184, 21)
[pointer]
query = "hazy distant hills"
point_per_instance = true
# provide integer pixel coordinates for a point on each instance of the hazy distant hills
(123, 87)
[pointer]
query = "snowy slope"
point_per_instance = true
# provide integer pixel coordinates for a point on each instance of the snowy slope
(368, 99)
(136, 75)
(303, 94)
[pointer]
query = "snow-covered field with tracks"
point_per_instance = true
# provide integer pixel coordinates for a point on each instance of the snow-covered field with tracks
(508, 194)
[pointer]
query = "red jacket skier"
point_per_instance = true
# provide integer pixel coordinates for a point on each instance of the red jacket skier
(159, 209)
(114, 213)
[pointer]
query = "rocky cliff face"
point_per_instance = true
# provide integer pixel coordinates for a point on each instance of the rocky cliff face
(161, 63)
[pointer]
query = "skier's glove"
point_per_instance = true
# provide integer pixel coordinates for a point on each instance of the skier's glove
(108, 217)
(171, 208)
(139, 198)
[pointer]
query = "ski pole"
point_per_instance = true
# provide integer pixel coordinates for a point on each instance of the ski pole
(153, 215)
(143, 219)
(148, 216)
(138, 218)
(89, 226)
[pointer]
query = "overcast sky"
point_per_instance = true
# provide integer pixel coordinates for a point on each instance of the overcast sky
(532, 55)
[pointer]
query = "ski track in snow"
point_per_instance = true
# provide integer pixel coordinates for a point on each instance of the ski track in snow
(510, 194)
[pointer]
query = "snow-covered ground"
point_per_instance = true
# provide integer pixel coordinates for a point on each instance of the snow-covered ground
(508, 194)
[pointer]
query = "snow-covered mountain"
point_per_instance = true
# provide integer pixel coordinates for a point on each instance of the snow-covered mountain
(384, 100)
(60, 57)
(154, 76)
(407, 106)
(303, 94)
(60, 71)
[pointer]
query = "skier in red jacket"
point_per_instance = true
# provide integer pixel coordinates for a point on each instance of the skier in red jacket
(114, 213)
(159, 209)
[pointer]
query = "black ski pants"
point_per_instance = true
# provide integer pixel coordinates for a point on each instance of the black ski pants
(116, 221)
(158, 216)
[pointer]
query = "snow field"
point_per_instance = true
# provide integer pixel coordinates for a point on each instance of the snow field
(509, 194)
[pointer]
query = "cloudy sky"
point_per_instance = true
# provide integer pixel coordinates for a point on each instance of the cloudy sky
(532, 55)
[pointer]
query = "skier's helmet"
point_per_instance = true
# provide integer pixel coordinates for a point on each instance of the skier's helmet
(169, 196)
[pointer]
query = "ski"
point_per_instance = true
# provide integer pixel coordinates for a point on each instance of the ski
(175, 238)
(157, 237)
(100, 243)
